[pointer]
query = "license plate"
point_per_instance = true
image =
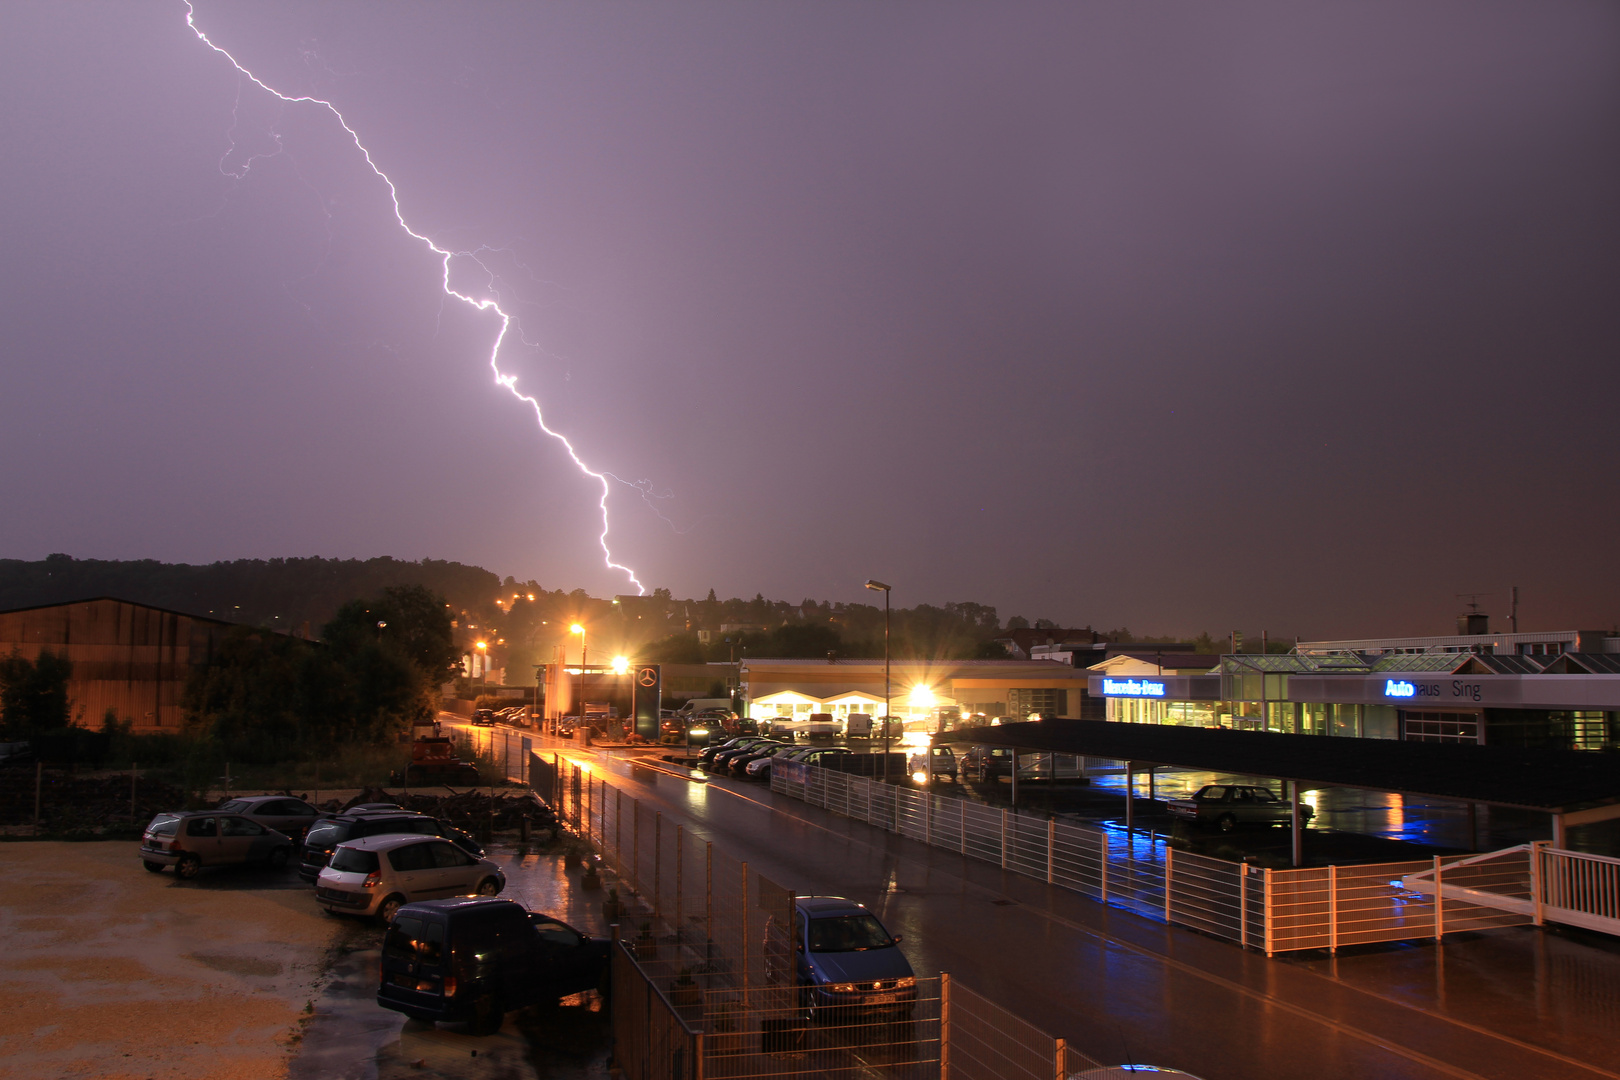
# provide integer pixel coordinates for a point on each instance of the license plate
(883, 999)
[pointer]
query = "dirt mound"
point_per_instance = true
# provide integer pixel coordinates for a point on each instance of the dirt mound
(470, 810)
(69, 802)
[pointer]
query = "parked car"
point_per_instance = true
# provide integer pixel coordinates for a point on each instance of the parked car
(327, 833)
(1129, 1072)
(375, 875)
(842, 959)
(823, 726)
(475, 959)
(760, 768)
(189, 841)
(278, 812)
(730, 744)
(738, 765)
(721, 763)
(715, 762)
(15, 753)
(944, 764)
(1226, 806)
(483, 717)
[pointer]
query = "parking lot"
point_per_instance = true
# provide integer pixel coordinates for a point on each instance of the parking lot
(113, 972)
(117, 973)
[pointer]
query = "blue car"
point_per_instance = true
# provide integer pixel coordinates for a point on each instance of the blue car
(842, 959)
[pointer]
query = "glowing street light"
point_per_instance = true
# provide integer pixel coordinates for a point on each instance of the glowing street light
(621, 665)
(483, 662)
(878, 586)
(579, 705)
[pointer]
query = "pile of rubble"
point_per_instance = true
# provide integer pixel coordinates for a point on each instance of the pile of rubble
(69, 803)
(471, 810)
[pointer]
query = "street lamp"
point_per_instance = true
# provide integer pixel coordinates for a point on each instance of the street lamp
(579, 706)
(884, 589)
(483, 662)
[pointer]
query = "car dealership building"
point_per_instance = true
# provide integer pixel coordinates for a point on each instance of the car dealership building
(1568, 700)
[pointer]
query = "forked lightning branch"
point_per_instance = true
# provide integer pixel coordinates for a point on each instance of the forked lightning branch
(446, 257)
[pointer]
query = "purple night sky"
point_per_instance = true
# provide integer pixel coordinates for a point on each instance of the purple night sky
(1191, 317)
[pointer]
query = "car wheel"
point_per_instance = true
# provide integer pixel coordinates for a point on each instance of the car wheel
(278, 858)
(187, 867)
(487, 1015)
(1226, 823)
(813, 1011)
(155, 867)
(489, 887)
(386, 909)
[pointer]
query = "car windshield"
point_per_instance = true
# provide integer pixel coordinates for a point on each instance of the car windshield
(163, 825)
(326, 834)
(354, 861)
(848, 933)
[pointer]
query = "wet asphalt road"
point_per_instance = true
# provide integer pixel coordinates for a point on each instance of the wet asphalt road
(1516, 1004)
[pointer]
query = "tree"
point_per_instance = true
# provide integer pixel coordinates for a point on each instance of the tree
(33, 694)
(406, 619)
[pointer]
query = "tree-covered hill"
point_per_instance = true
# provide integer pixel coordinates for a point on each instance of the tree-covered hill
(280, 593)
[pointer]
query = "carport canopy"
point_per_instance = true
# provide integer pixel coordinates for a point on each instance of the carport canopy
(1575, 787)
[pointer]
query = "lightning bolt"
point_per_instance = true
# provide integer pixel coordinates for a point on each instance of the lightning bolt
(445, 256)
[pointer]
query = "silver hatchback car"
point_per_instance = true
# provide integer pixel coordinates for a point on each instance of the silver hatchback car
(376, 874)
(189, 841)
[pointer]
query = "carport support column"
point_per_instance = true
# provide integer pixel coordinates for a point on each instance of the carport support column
(1014, 751)
(1293, 823)
(1558, 831)
(1130, 797)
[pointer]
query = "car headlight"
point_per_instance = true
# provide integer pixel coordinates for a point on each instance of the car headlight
(908, 981)
(841, 988)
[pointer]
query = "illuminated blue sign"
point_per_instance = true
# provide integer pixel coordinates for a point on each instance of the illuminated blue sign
(1132, 688)
(1402, 688)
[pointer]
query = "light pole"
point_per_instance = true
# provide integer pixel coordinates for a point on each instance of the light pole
(621, 666)
(884, 589)
(483, 665)
(579, 706)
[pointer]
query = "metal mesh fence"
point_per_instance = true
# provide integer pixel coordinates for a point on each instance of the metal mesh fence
(705, 982)
(776, 1031)
(1274, 910)
(983, 1041)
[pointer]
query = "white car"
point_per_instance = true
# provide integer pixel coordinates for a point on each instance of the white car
(376, 874)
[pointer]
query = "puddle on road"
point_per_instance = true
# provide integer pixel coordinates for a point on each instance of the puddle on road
(569, 1042)
(236, 965)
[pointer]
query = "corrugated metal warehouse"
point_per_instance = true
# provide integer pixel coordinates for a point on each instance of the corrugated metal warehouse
(131, 658)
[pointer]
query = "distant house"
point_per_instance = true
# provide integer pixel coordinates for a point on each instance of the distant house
(132, 659)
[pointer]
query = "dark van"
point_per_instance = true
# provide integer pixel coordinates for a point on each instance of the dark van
(474, 959)
(328, 832)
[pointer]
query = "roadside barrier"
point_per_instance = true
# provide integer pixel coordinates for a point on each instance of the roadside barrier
(1271, 910)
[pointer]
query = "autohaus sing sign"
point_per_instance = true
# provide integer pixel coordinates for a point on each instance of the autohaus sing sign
(1417, 691)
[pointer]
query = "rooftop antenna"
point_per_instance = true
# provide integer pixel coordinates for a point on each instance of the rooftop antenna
(1513, 610)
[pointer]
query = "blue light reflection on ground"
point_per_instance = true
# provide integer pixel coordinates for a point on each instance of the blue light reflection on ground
(1356, 810)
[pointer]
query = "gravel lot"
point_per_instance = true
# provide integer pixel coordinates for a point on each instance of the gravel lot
(113, 972)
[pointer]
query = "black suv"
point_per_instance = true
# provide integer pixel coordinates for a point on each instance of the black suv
(476, 958)
(328, 832)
